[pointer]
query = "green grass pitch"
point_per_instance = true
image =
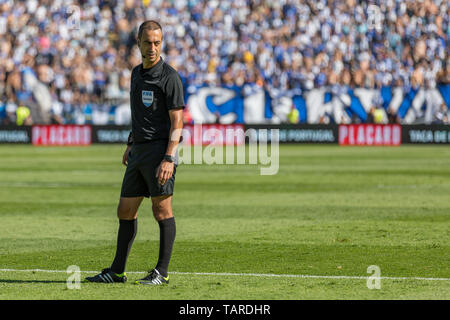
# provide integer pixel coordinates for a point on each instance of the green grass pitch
(330, 212)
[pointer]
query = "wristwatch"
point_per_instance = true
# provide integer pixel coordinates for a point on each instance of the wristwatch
(169, 158)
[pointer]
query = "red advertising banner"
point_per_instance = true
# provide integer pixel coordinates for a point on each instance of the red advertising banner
(370, 134)
(214, 134)
(61, 135)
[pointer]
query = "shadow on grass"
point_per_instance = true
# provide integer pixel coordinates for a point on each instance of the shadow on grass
(32, 281)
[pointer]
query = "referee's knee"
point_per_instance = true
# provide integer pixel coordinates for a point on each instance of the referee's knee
(161, 212)
(126, 213)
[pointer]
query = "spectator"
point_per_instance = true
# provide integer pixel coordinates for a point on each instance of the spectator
(286, 43)
(23, 116)
(442, 116)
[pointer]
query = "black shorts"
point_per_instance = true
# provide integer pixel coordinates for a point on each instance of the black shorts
(140, 176)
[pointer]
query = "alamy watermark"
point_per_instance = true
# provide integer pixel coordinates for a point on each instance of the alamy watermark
(74, 279)
(227, 145)
(374, 281)
(66, 15)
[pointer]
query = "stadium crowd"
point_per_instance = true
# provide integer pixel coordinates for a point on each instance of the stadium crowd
(83, 51)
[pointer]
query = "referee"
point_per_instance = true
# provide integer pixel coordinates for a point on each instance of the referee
(157, 105)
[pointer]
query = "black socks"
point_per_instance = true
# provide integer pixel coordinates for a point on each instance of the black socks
(167, 232)
(127, 233)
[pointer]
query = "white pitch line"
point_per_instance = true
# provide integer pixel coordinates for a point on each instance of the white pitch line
(307, 276)
(246, 275)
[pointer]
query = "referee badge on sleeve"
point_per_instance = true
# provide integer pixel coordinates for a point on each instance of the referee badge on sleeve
(147, 98)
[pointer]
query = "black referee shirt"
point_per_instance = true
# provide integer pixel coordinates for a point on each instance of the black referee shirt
(154, 92)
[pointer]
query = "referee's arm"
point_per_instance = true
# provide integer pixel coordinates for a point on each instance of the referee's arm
(165, 169)
(127, 151)
(176, 126)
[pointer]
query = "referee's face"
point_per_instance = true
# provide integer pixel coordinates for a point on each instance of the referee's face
(150, 45)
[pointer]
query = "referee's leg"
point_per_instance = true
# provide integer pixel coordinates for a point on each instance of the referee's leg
(127, 211)
(162, 211)
(128, 207)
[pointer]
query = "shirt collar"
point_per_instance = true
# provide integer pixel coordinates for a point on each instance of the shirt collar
(153, 71)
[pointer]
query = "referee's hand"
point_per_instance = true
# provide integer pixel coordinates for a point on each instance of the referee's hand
(125, 156)
(164, 172)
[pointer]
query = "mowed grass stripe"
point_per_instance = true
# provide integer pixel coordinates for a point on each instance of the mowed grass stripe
(241, 257)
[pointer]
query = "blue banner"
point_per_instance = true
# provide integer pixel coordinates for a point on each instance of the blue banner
(252, 104)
